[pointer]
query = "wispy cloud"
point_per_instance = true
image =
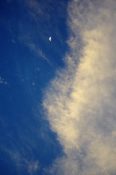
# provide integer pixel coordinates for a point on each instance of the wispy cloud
(3, 81)
(80, 101)
(35, 8)
(23, 163)
(33, 47)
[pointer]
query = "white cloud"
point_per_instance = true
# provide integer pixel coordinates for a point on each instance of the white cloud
(80, 102)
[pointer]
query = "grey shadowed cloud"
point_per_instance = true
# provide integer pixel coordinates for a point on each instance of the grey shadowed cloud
(80, 101)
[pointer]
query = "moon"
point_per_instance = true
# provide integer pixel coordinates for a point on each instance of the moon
(50, 38)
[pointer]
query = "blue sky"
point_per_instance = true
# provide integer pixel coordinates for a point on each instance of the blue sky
(57, 99)
(28, 62)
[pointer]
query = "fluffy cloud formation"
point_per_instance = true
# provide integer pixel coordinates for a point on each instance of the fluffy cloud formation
(81, 100)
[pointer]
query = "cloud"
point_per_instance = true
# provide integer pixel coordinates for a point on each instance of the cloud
(33, 47)
(35, 8)
(3, 81)
(80, 101)
(23, 163)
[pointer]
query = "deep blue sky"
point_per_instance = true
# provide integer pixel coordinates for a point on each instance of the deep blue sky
(28, 61)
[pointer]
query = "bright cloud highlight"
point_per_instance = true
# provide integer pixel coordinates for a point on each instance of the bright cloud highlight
(81, 100)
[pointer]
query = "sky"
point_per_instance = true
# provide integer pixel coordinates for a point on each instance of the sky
(28, 61)
(57, 87)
